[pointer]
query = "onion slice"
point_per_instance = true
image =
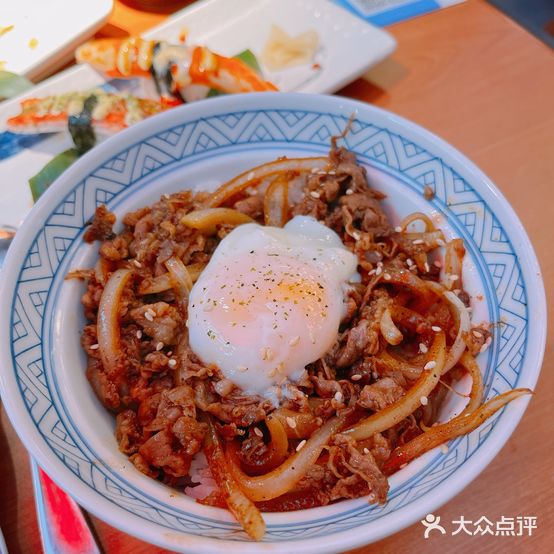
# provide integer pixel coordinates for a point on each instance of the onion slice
(181, 281)
(453, 260)
(476, 393)
(464, 327)
(108, 318)
(283, 478)
(253, 177)
(206, 220)
(239, 505)
(389, 330)
(276, 202)
(297, 425)
(411, 401)
(410, 369)
(276, 449)
(162, 282)
(418, 216)
(462, 425)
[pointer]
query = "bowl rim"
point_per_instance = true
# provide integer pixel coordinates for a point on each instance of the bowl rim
(269, 101)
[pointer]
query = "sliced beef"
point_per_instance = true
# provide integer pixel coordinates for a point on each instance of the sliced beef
(160, 321)
(101, 225)
(165, 452)
(252, 206)
(363, 470)
(127, 431)
(366, 213)
(354, 344)
(380, 394)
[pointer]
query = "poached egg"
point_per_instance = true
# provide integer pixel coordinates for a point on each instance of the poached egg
(270, 302)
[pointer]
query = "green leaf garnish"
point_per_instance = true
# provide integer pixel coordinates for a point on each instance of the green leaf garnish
(51, 171)
(12, 84)
(248, 57)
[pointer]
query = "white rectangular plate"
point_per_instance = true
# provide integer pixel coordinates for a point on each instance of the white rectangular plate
(56, 27)
(347, 48)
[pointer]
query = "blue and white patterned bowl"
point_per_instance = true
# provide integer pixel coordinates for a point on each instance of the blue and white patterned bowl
(42, 367)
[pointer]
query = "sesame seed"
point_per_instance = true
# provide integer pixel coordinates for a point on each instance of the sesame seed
(159, 346)
(457, 291)
(300, 445)
(331, 172)
(148, 316)
(272, 372)
(314, 170)
(476, 334)
(403, 466)
(484, 347)
(417, 241)
(258, 432)
(266, 353)
(372, 272)
(430, 365)
(349, 192)
(424, 401)
(94, 346)
(137, 263)
(294, 341)
(250, 176)
(139, 334)
(436, 328)
(379, 270)
(444, 448)
(426, 267)
(398, 229)
(453, 277)
(356, 377)
(166, 196)
(366, 450)
(338, 396)
(172, 363)
(291, 423)
(386, 277)
(437, 263)
(356, 235)
(242, 368)
(280, 367)
(409, 261)
(314, 194)
(423, 348)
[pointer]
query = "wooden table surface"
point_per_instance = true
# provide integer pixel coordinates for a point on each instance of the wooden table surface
(485, 85)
